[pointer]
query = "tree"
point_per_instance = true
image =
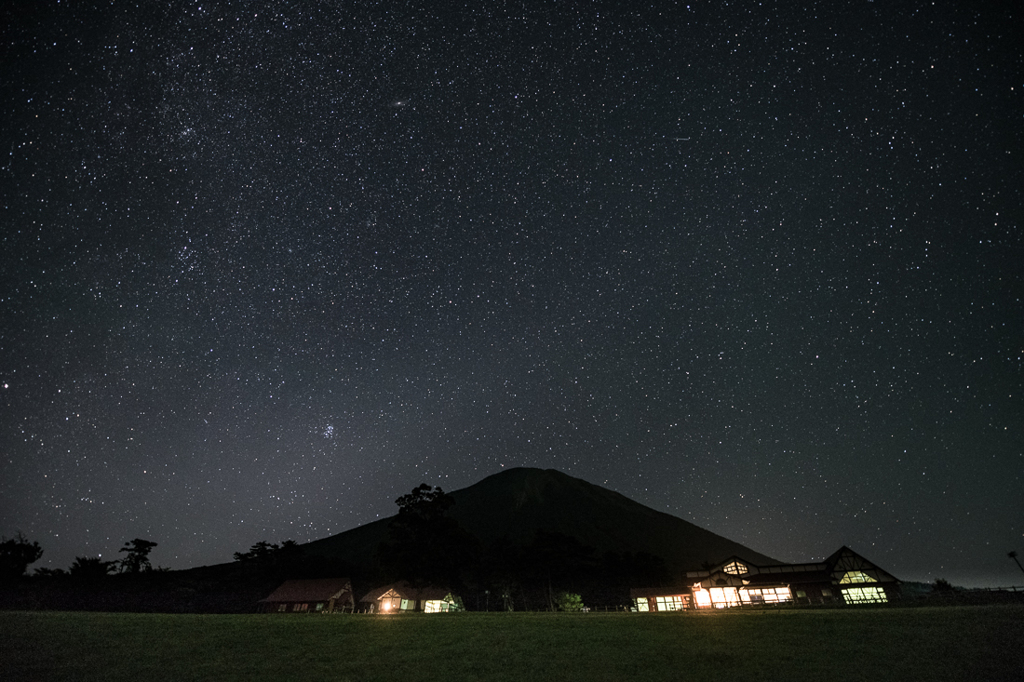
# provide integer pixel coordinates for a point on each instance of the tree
(270, 559)
(568, 601)
(54, 573)
(559, 561)
(91, 568)
(15, 556)
(425, 545)
(942, 585)
(260, 553)
(136, 559)
(501, 568)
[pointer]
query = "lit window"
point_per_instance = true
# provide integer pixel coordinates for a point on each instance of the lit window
(766, 595)
(856, 577)
(735, 568)
(281, 608)
(436, 606)
(722, 597)
(642, 604)
(675, 603)
(702, 597)
(864, 595)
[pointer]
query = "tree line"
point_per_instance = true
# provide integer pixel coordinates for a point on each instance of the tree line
(18, 553)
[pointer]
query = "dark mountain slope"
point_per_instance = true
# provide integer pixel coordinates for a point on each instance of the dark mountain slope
(515, 503)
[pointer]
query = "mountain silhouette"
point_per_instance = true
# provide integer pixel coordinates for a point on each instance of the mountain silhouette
(516, 503)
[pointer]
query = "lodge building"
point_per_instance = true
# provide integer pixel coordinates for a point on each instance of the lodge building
(843, 578)
(402, 597)
(323, 595)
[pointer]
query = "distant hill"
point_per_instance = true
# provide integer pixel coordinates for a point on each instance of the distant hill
(516, 503)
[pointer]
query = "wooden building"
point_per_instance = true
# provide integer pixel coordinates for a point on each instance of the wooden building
(401, 596)
(323, 595)
(843, 578)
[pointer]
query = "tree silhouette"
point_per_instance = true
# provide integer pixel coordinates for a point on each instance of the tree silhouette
(91, 568)
(558, 560)
(425, 546)
(260, 553)
(136, 558)
(15, 556)
(267, 559)
(50, 573)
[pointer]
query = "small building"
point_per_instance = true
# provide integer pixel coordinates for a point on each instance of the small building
(843, 578)
(403, 597)
(321, 595)
(661, 599)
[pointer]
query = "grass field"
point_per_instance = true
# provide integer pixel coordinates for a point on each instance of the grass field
(946, 643)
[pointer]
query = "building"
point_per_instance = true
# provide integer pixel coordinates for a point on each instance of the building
(401, 596)
(843, 578)
(324, 595)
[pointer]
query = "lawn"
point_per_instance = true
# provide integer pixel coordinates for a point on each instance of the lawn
(942, 643)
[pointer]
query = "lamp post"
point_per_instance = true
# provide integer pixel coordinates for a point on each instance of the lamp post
(1013, 555)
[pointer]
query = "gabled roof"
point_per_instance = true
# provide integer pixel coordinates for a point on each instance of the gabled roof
(404, 590)
(844, 567)
(320, 589)
(845, 560)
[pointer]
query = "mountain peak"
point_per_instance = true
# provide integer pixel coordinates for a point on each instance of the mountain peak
(512, 505)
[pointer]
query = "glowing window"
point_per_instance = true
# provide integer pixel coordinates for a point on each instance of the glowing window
(864, 595)
(766, 595)
(642, 604)
(702, 597)
(856, 577)
(436, 606)
(722, 597)
(735, 568)
(281, 608)
(675, 603)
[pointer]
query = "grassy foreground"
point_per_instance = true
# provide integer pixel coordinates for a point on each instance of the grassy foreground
(945, 643)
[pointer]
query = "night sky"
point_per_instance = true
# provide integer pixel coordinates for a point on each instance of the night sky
(264, 267)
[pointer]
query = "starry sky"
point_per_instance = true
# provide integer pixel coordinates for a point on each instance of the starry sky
(264, 267)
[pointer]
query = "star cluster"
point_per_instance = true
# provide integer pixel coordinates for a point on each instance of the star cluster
(266, 267)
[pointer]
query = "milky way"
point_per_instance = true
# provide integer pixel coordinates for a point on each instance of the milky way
(267, 267)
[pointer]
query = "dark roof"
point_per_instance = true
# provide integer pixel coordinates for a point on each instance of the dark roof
(320, 589)
(794, 578)
(407, 591)
(640, 592)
